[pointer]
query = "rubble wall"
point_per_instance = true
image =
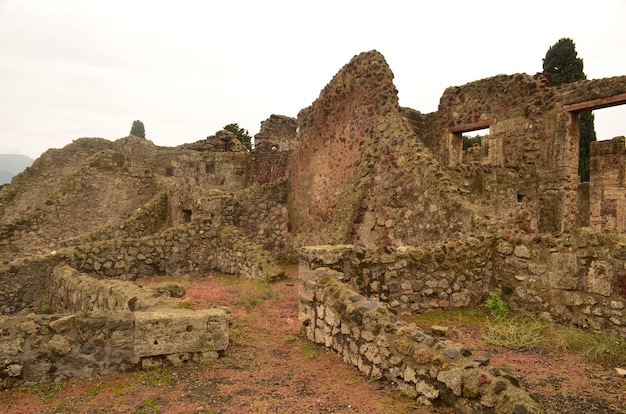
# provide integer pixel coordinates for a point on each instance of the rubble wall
(361, 175)
(117, 326)
(409, 279)
(370, 337)
(576, 279)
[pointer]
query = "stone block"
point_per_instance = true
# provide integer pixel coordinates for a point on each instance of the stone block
(170, 331)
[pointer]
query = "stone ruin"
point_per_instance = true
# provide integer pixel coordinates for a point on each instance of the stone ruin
(387, 213)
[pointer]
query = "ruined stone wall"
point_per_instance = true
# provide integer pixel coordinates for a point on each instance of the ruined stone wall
(36, 184)
(330, 132)
(590, 90)
(510, 196)
(262, 217)
(100, 192)
(514, 107)
(195, 248)
(37, 348)
(226, 171)
(118, 326)
(370, 337)
(360, 173)
(410, 279)
(578, 278)
(273, 146)
(607, 198)
(527, 134)
(103, 195)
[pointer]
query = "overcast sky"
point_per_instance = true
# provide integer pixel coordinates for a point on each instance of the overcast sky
(76, 68)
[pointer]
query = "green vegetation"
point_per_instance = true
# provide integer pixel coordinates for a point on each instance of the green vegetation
(525, 331)
(138, 129)
(290, 339)
(519, 332)
(254, 293)
(496, 305)
(563, 63)
(312, 350)
(476, 140)
(45, 309)
(241, 133)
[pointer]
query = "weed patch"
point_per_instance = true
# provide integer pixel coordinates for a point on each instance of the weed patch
(596, 346)
(521, 331)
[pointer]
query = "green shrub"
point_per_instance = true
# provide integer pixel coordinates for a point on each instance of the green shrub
(496, 305)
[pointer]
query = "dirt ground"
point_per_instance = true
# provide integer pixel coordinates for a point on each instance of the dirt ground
(270, 368)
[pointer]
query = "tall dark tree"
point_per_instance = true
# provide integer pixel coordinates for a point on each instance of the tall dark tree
(137, 129)
(563, 63)
(241, 133)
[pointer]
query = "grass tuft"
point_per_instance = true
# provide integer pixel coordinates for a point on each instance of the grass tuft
(521, 331)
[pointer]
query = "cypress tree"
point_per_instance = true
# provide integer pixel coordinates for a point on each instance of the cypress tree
(563, 63)
(137, 129)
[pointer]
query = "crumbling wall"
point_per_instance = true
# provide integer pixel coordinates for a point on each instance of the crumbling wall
(330, 133)
(607, 198)
(578, 278)
(409, 279)
(195, 248)
(262, 217)
(273, 146)
(360, 173)
(118, 326)
(510, 196)
(370, 337)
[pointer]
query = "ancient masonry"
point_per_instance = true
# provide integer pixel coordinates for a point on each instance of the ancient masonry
(386, 211)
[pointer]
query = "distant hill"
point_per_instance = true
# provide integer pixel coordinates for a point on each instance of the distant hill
(11, 165)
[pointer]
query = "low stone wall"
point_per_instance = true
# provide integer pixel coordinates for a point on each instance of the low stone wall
(575, 278)
(195, 248)
(369, 336)
(411, 279)
(119, 326)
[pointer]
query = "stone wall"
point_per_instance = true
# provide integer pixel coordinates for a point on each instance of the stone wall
(607, 204)
(262, 217)
(361, 174)
(410, 279)
(273, 146)
(118, 326)
(324, 197)
(370, 337)
(578, 278)
(198, 247)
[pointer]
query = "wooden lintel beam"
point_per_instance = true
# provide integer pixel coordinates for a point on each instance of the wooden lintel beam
(596, 103)
(471, 126)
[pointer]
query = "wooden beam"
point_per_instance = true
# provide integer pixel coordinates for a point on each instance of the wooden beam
(596, 103)
(471, 126)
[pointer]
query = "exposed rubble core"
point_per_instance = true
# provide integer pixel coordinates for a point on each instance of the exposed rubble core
(385, 209)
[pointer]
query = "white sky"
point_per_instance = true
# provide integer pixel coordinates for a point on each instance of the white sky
(76, 68)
